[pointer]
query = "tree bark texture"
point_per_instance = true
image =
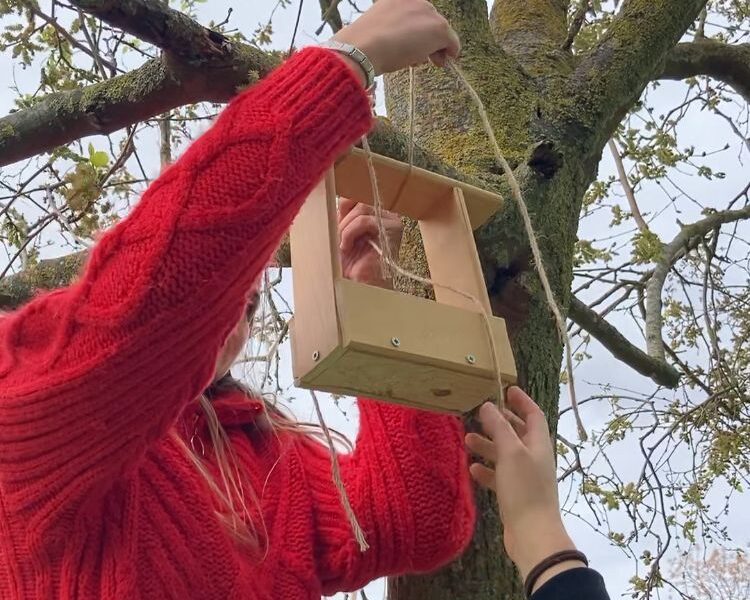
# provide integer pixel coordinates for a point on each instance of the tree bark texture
(552, 113)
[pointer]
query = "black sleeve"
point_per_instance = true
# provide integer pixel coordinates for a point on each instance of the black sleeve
(573, 584)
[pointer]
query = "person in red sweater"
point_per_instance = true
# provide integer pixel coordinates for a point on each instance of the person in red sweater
(110, 484)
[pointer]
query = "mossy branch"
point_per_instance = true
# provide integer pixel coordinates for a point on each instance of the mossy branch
(725, 62)
(612, 76)
(198, 66)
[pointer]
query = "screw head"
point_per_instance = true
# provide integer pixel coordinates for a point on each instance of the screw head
(471, 359)
(395, 342)
(316, 355)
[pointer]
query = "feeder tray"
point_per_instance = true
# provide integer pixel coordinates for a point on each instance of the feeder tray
(355, 339)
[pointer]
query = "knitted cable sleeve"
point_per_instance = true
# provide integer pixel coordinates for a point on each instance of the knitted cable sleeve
(93, 374)
(409, 486)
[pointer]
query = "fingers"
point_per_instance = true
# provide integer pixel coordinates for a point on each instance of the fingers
(345, 207)
(518, 424)
(348, 209)
(483, 475)
(453, 49)
(482, 447)
(357, 220)
(359, 227)
(498, 428)
(522, 405)
(353, 211)
(439, 59)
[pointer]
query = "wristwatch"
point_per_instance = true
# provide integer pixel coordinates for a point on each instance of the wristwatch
(357, 56)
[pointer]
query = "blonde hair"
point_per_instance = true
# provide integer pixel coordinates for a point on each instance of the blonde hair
(231, 489)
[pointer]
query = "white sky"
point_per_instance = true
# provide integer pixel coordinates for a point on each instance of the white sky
(601, 369)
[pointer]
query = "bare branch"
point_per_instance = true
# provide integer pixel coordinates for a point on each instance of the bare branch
(629, 192)
(71, 40)
(689, 237)
(154, 22)
(329, 10)
(725, 62)
(621, 348)
(165, 141)
(579, 17)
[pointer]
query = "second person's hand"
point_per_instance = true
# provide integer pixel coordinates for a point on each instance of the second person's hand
(522, 473)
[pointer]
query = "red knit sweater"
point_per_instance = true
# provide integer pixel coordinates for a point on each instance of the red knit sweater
(96, 499)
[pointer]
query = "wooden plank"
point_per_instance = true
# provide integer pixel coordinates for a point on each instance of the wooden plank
(439, 335)
(316, 266)
(413, 193)
(391, 379)
(452, 255)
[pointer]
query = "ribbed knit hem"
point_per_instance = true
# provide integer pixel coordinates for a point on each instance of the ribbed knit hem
(322, 96)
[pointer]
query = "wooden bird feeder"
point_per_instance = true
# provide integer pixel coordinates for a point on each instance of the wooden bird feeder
(355, 339)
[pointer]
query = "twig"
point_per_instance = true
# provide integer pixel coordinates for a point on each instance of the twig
(60, 218)
(628, 189)
(331, 11)
(579, 17)
(296, 27)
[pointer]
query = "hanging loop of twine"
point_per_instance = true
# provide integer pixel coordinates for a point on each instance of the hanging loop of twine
(533, 241)
(359, 535)
(390, 265)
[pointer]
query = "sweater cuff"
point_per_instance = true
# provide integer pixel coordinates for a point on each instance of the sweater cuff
(574, 584)
(322, 97)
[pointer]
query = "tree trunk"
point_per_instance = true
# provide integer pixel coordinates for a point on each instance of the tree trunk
(516, 63)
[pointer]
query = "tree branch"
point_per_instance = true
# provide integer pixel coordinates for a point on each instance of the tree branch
(199, 65)
(576, 22)
(329, 11)
(612, 76)
(157, 87)
(627, 188)
(17, 289)
(687, 239)
(621, 348)
(47, 274)
(725, 62)
(154, 22)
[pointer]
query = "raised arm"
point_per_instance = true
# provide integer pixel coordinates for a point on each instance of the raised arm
(408, 483)
(90, 375)
(519, 449)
